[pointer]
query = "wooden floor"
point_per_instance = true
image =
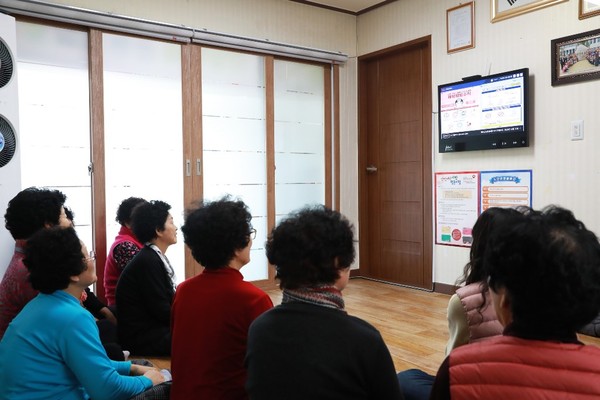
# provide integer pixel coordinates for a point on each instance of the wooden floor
(412, 322)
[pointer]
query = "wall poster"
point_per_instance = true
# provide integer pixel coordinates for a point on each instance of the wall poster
(505, 189)
(456, 207)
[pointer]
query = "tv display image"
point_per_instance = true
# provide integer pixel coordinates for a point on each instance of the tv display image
(482, 113)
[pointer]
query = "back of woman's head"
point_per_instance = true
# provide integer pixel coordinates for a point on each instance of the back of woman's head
(215, 230)
(149, 217)
(549, 264)
(482, 229)
(32, 209)
(52, 257)
(310, 247)
(125, 209)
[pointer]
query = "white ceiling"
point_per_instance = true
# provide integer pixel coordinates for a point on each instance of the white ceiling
(349, 5)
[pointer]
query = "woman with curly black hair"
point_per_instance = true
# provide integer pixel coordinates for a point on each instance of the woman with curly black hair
(212, 311)
(29, 211)
(309, 347)
(146, 287)
(543, 270)
(52, 350)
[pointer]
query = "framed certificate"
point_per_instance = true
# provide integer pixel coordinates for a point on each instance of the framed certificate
(503, 9)
(460, 27)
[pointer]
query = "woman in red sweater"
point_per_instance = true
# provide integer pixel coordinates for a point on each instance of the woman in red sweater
(212, 311)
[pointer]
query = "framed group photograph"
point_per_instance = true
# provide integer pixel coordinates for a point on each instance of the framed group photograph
(588, 8)
(503, 9)
(460, 27)
(576, 58)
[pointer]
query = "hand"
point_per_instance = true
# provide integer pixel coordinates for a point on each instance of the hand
(155, 376)
(137, 370)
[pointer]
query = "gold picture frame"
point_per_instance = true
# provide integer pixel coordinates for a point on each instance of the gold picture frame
(588, 8)
(503, 9)
(460, 27)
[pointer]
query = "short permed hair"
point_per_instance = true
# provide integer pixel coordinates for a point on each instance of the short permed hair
(549, 264)
(52, 257)
(215, 230)
(148, 218)
(310, 247)
(125, 208)
(31, 209)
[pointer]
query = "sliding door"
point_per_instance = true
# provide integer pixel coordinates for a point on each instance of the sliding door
(299, 136)
(158, 119)
(234, 140)
(143, 144)
(54, 116)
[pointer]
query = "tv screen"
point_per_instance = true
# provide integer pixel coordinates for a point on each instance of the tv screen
(482, 113)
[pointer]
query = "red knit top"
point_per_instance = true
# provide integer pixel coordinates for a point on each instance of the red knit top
(210, 318)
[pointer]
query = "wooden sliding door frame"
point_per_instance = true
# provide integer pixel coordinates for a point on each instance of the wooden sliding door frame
(97, 152)
(191, 64)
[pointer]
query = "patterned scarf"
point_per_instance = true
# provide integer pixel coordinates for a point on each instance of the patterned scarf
(325, 296)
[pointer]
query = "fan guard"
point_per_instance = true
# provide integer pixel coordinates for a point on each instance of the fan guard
(6, 64)
(8, 142)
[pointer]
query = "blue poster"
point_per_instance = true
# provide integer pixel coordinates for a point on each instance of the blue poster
(505, 188)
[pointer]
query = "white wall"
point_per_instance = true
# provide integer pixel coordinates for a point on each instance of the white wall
(565, 172)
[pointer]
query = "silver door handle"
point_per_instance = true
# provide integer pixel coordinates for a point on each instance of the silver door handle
(371, 169)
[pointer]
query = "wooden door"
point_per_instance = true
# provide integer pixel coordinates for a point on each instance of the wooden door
(395, 162)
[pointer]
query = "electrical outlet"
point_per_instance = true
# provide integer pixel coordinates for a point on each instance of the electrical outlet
(577, 129)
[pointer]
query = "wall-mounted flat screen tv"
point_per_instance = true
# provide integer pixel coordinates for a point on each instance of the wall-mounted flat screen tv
(482, 113)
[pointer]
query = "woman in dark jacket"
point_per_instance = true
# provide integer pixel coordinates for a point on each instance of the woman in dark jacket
(146, 287)
(309, 347)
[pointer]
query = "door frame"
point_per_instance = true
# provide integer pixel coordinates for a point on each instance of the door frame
(363, 217)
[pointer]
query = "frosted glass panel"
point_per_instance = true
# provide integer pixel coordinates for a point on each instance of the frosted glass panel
(235, 101)
(299, 168)
(54, 116)
(143, 129)
(299, 136)
(224, 167)
(289, 132)
(47, 45)
(233, 134)
(291, 197)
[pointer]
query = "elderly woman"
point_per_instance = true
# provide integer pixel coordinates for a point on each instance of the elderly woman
(123, 249)
(543, 270)
(146, 287)
(29, 211)
(309, 347)
(212, 311)
(51, 350)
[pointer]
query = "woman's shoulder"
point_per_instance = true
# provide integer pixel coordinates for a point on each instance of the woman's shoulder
(146, 256)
